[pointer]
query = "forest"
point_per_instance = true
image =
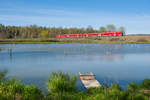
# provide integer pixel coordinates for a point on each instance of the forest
(34, 31)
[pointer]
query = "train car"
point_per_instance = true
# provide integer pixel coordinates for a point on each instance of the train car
(91, 34)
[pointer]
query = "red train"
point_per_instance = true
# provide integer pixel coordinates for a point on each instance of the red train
(91, 34)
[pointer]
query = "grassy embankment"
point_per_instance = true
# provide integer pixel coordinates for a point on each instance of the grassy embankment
(62, 86)
(123, 39)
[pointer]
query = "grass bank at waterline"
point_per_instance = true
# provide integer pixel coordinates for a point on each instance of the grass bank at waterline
(123, 39)
(62, 86)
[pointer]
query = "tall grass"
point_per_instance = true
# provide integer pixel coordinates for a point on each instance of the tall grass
(61, 82)
(62, 86)
(109, 40)
(15, 90)
(2, 75)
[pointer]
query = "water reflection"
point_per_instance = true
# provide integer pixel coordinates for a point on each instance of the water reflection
(111, 57)
(34, 62)
(10, 53)
(1, 49)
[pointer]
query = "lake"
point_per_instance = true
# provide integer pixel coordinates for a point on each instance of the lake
(33, 63)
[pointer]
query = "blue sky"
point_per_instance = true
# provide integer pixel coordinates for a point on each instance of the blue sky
(134, 15)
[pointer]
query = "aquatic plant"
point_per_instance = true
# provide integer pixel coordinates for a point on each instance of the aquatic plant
(146, 84)
(32, 92)
(2, 75)
(16, 90)
(11, 89)
(61, 82)
(62, 86)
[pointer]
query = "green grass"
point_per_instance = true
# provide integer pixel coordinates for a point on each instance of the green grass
(61, 82)
(62, 86)
(83, 41)
(106, 40)
(26, 42)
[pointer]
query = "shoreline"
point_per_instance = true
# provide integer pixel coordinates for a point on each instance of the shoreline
(13, 89)
(105, 40)
(62, 42)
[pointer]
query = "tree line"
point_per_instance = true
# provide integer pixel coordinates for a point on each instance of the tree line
(34, 31)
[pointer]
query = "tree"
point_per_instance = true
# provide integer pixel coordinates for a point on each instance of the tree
(45, 34)
(89, 29)
(2, 31)
(122, 29)
(103, 29)
(111, 28)
(33, 31)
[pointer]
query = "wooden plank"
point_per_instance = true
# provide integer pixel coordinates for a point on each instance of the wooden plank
(88, 80)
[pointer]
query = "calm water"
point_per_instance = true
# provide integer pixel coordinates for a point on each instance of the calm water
(33, 63)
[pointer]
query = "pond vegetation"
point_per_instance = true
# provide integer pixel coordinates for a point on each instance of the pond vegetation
(62, 86)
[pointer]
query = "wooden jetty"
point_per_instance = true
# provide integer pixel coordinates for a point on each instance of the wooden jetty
(88, 80)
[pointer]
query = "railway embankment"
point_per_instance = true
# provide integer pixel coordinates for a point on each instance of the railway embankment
(113, 39)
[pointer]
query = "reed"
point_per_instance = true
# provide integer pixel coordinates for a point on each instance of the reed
(62, 86)
(61, 82)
